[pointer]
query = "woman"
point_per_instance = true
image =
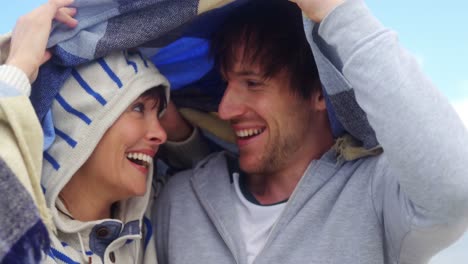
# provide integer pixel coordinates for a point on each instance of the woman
(97, 174)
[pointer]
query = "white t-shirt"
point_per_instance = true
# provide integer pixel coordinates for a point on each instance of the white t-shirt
(256, 221)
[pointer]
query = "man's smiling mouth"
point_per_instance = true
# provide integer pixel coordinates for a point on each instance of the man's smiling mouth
(249, 133)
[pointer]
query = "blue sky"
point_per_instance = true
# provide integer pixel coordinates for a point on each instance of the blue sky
(436, 32)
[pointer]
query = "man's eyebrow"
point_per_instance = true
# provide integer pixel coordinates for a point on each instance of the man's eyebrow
(246, 73)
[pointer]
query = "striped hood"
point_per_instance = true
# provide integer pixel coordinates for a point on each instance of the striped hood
(89, 102)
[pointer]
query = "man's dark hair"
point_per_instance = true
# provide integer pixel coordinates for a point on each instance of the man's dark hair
(271, 34)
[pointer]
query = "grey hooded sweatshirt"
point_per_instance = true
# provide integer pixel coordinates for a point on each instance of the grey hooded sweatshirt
(402, 206)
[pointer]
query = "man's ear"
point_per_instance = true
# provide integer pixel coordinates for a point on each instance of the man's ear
(317, 100)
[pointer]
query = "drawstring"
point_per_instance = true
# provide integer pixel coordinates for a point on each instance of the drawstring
(347, 149)
(138, 245)
(83, 251)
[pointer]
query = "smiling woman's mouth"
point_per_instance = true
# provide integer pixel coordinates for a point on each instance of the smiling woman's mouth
(140, 159)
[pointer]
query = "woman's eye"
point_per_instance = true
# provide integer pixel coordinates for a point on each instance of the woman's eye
(139, 107)
(161, 113)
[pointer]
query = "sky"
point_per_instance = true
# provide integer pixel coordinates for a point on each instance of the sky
(436, 32)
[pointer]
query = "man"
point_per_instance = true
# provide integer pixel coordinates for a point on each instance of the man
(291, 199)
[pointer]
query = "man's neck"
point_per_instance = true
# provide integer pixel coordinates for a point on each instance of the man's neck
(276, 187)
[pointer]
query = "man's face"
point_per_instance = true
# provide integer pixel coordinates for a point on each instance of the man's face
(275, 128)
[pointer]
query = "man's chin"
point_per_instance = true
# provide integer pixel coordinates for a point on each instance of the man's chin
(250, 165)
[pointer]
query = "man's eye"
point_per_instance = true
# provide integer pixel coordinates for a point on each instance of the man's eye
(251, 83)
(139, 107)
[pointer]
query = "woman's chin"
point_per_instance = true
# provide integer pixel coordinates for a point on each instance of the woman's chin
(139, 191)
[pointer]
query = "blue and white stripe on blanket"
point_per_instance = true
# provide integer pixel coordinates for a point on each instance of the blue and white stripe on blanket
(173, 33)
(26, 236)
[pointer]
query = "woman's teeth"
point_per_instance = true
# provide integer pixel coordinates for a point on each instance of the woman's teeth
(140, 159)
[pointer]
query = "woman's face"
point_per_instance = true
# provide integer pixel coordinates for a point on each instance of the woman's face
(121, 160)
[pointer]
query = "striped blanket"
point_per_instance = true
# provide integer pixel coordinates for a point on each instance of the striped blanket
(23, 235)
(173, 33)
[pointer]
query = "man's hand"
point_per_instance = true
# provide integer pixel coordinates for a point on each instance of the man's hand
(176, 127)
(317, 10)
(31, 33)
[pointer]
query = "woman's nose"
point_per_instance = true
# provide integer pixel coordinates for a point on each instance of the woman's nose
(155, 133)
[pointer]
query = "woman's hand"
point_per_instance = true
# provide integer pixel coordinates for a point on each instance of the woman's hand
(317, 10)
(31, 33)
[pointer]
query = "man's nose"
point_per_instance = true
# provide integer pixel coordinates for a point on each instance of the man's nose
(231, 105)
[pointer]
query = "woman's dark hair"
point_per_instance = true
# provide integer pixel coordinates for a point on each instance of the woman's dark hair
(158, 95)
(270, 34)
